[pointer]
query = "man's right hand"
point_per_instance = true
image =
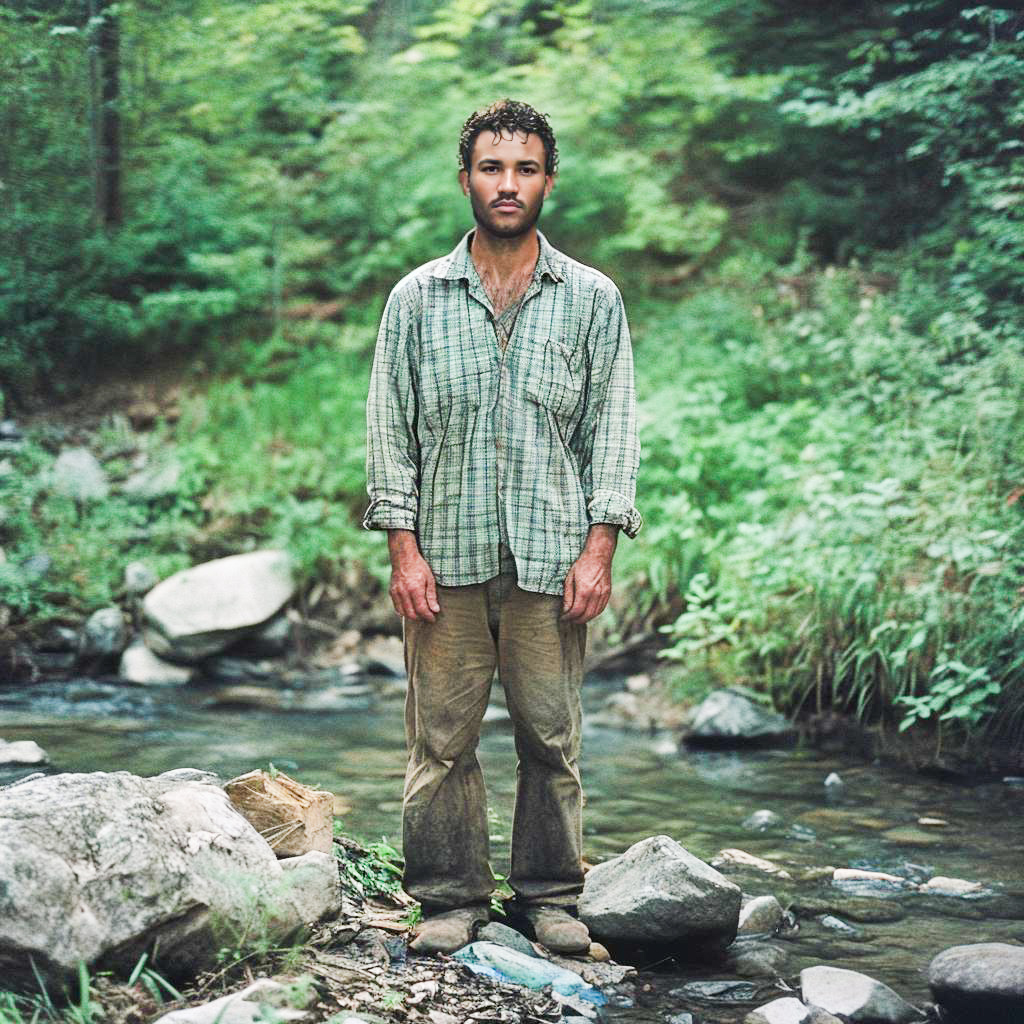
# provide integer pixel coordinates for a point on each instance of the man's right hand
(413, 590)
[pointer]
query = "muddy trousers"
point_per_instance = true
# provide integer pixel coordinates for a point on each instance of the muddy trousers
(451, 665)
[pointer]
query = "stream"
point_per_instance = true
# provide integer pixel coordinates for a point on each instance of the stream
(637, 785)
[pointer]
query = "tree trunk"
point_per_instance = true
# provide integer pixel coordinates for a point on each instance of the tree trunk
(108, 165)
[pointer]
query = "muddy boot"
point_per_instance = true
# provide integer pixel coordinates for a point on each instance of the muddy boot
(447, 932)
(556, 929)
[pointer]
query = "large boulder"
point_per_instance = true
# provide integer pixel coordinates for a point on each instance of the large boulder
(855, 997)
(732, 718)
(981, 981)
(200, 611)
(97, 868)
(658, 893)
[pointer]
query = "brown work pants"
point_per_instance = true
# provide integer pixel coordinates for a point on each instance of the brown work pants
(451, 664)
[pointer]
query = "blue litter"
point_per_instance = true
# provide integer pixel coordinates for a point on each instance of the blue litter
(509, 965)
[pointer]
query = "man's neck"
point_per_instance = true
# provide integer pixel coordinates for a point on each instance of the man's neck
(505, 265)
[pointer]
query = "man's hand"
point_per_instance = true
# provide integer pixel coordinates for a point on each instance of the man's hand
(413, 590)
(589, 583)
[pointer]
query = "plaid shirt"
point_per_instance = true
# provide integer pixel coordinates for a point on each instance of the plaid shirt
(470, 445)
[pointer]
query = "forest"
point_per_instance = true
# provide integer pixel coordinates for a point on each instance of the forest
(815, 213)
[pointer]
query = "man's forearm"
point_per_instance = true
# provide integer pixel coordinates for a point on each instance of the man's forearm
(402, 545)
(601, 541)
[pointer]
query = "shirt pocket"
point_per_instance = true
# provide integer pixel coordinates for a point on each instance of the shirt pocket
(558, 382)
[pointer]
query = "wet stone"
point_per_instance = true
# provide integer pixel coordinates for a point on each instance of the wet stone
(717, 991)
(762, 821)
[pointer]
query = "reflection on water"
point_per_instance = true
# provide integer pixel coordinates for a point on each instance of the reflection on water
(637, 785)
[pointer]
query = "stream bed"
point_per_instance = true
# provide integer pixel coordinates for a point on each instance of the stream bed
(638, 784)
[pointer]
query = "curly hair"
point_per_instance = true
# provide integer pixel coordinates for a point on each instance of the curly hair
(508, 116)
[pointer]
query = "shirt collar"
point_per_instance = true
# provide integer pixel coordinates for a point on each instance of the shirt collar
(458, 264)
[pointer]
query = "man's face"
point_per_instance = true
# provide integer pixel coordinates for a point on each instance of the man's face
(506, 183)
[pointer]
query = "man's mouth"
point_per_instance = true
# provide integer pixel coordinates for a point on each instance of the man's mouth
(507, 205)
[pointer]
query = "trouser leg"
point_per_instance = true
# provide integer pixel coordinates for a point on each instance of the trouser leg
(450, 663)
(540, 663)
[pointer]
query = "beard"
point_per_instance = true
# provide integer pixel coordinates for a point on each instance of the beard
(502, 226)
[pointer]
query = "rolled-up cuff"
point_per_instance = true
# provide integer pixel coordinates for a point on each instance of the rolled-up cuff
(616, 509)
(390, 512)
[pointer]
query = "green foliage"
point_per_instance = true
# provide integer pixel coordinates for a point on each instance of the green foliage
(371, 870)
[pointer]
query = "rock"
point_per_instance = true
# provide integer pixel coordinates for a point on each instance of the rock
(680, 1018)
(293, 818)
(314, 888)
(10, 431)
(731, 718)
(762, 821)
(200, 611)
(941, 886)
(141, 666)
(656, 892)
(761, 915)
(104, 634)
(834, 924)
(834, 786)
(863, 909)
(59, 640)
(384, 656)
(191, 775)
(225, 668)
(752, 958)
(741, 859)
(98, 867)
(263, 1000)
(717, 991)
(269, 641)
(500, 933)
(780, 1011)
(854, 997)
(980, 982)
(19, 752)
(861, 875)
(77, 474)
(153, 482)
(139, 578)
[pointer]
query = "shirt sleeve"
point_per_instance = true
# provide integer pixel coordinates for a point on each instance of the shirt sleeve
(392, 447)
(609, 445)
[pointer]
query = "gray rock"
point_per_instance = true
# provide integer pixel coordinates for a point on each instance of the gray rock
(77, 474)
(141, 666)
(834, 924)
(19, 752)
(980, 982)
(104, 634)
(752, 958)
(761, 915)
(156, 481)
(731, 718)
(500, 933)
(97, 867)
(834, 786)
(680, 1018)
(780, 1011)
(269, 641)
(762, 821)
(263, 1000)
(10, 431)
(657, 892)
(202, 610)
(191, 775)
(717, 991)
(854, 997)
(139, 578)
(313, 884)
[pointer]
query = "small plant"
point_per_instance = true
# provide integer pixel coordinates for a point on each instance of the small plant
(957, 693)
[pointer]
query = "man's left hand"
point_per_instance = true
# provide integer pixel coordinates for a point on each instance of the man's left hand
(589, 583)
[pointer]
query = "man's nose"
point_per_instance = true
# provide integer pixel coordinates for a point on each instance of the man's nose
(508, 182)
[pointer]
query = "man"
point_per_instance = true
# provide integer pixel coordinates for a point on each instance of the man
(501, 459)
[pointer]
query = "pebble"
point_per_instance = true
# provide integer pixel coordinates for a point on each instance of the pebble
(834, 786)
(942, 886)
(740, 858)
(834, 924)
(859, 875)
(762, 821)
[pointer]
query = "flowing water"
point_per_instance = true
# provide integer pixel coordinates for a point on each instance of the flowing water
(637, 785)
